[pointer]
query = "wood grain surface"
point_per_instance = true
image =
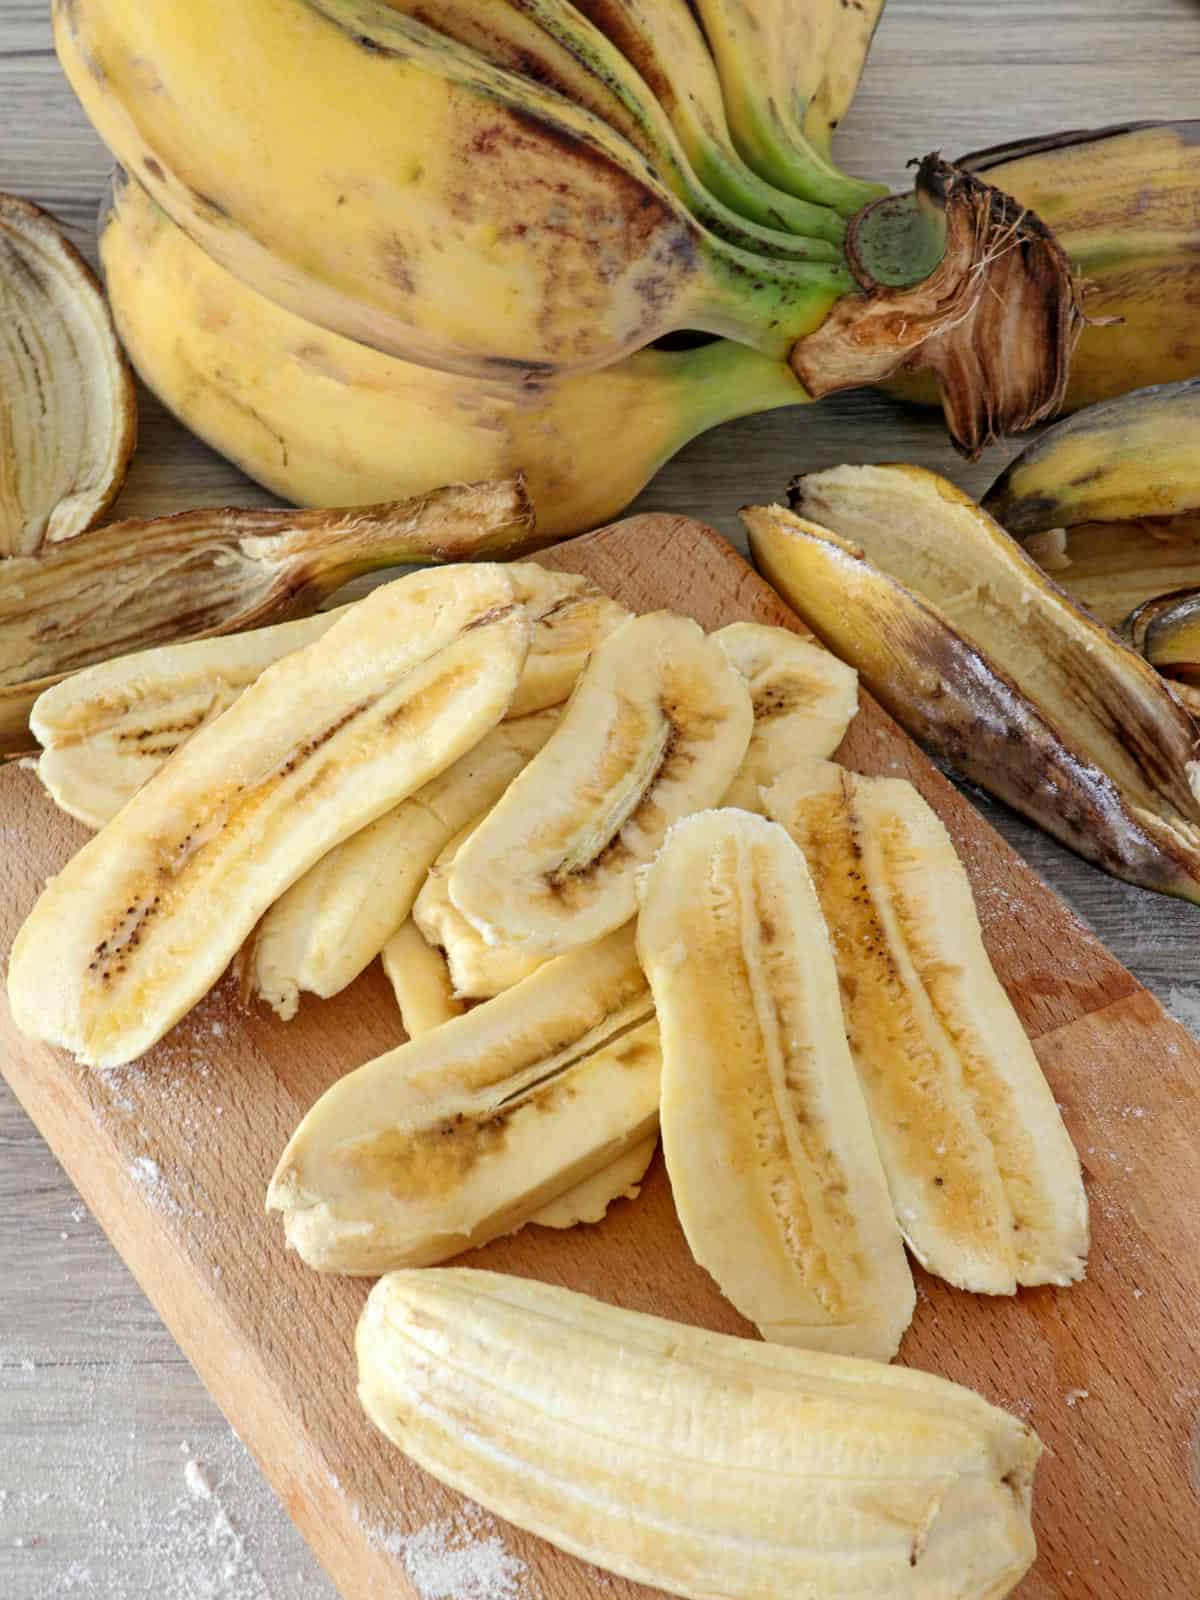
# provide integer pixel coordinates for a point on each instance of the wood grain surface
(173, 1153)
(99, 1410)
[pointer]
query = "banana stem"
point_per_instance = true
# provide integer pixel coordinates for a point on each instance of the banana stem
(722, 381)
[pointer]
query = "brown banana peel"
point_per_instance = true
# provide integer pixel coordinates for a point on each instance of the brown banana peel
(1086, 741)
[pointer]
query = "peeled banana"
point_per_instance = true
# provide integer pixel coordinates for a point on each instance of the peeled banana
(710, 1467)
(773, 1164)
(324, 421)
(420, 979)
(145, 918)
(332, 923)
(804, 699)
(657, 727)
(589, 1201)
(468, 1131)
(982, 1172)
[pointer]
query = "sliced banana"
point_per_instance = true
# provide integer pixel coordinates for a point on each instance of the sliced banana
(984, 1177)
(804, 700)
(334, 921)
(657, 727)
(468, 1131)
(766, 1136)
(107, 730)
(570, 617)
(478, 970)
(420, 981)
(143, 921)
(589, 1201)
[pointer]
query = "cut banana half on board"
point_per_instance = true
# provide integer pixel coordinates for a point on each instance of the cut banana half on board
(478, 970)
(983, 1175)
(570, 616)
(766, 1136)
(334, 921)
(700, 1464)
(143, 921)
(589, 1201)
(657, 728)
(467, 1132)
(107, 730)
(804, 700)
(420, 981)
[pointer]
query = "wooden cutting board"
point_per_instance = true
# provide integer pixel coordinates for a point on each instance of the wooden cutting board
(173, 1156)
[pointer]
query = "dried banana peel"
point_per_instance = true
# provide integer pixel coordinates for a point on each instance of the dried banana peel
(804, 700)
(134, 585)
(963, 639)
(107, 730)
(70, 413)
(332, 923)
(1114, 568)
(773, 1164)
(478, 970)
(420, 980)
(711, 1467)
(656, 728)
(984, 1178)
(468, 1131)
(143, 921)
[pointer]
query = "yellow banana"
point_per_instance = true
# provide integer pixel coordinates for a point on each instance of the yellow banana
(323, 421)
(771, 56)
(699, 1464)
(845, 57)
(415, 197)
(766, 1136)
(465, 1133)
(144, 920)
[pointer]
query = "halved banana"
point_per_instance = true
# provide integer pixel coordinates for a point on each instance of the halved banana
(420, 981)
(657, 727)
(334, 921)
(146, 917)
(478, 970)
(767, 1141)
(107, 730)
(697, 1463)
(983, 1175)
(589, 1201)
(468, 1131)
(804, 700)
(570, 617)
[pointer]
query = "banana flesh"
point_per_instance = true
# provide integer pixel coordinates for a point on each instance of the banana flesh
(757, 1473)
(467, 1132)
(804, 700)
(656, 728)
(766, 1136)
(478, 970)
(589, 1201)
(107, 730)
(570, 617)
(145, 918)
(420, 981)
(332, 923)
(984, 1177)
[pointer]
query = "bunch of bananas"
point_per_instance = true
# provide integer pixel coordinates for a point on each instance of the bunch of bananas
(366, 247)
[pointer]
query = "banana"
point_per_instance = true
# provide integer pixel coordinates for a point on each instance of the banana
(143, 921)
(804, 699)
(766, 1136)
(570, 618)
(332, 923)
(466, 1132)
(551, 42)
(771, 57)
(478, 970)
(420, 980)
(983, 1175)
(589, 1201)
(845, 57)
(663, 41)
(323, 421)
(507, 231)
(107, 730)
(696, 1463)
(657, 727)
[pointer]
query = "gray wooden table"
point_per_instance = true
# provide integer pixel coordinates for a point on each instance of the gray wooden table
(118, 1478)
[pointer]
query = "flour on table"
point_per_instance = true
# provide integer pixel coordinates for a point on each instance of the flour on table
(462, 1557)
(147, 1174)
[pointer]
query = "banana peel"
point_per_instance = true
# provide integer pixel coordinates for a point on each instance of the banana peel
(982, 659)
